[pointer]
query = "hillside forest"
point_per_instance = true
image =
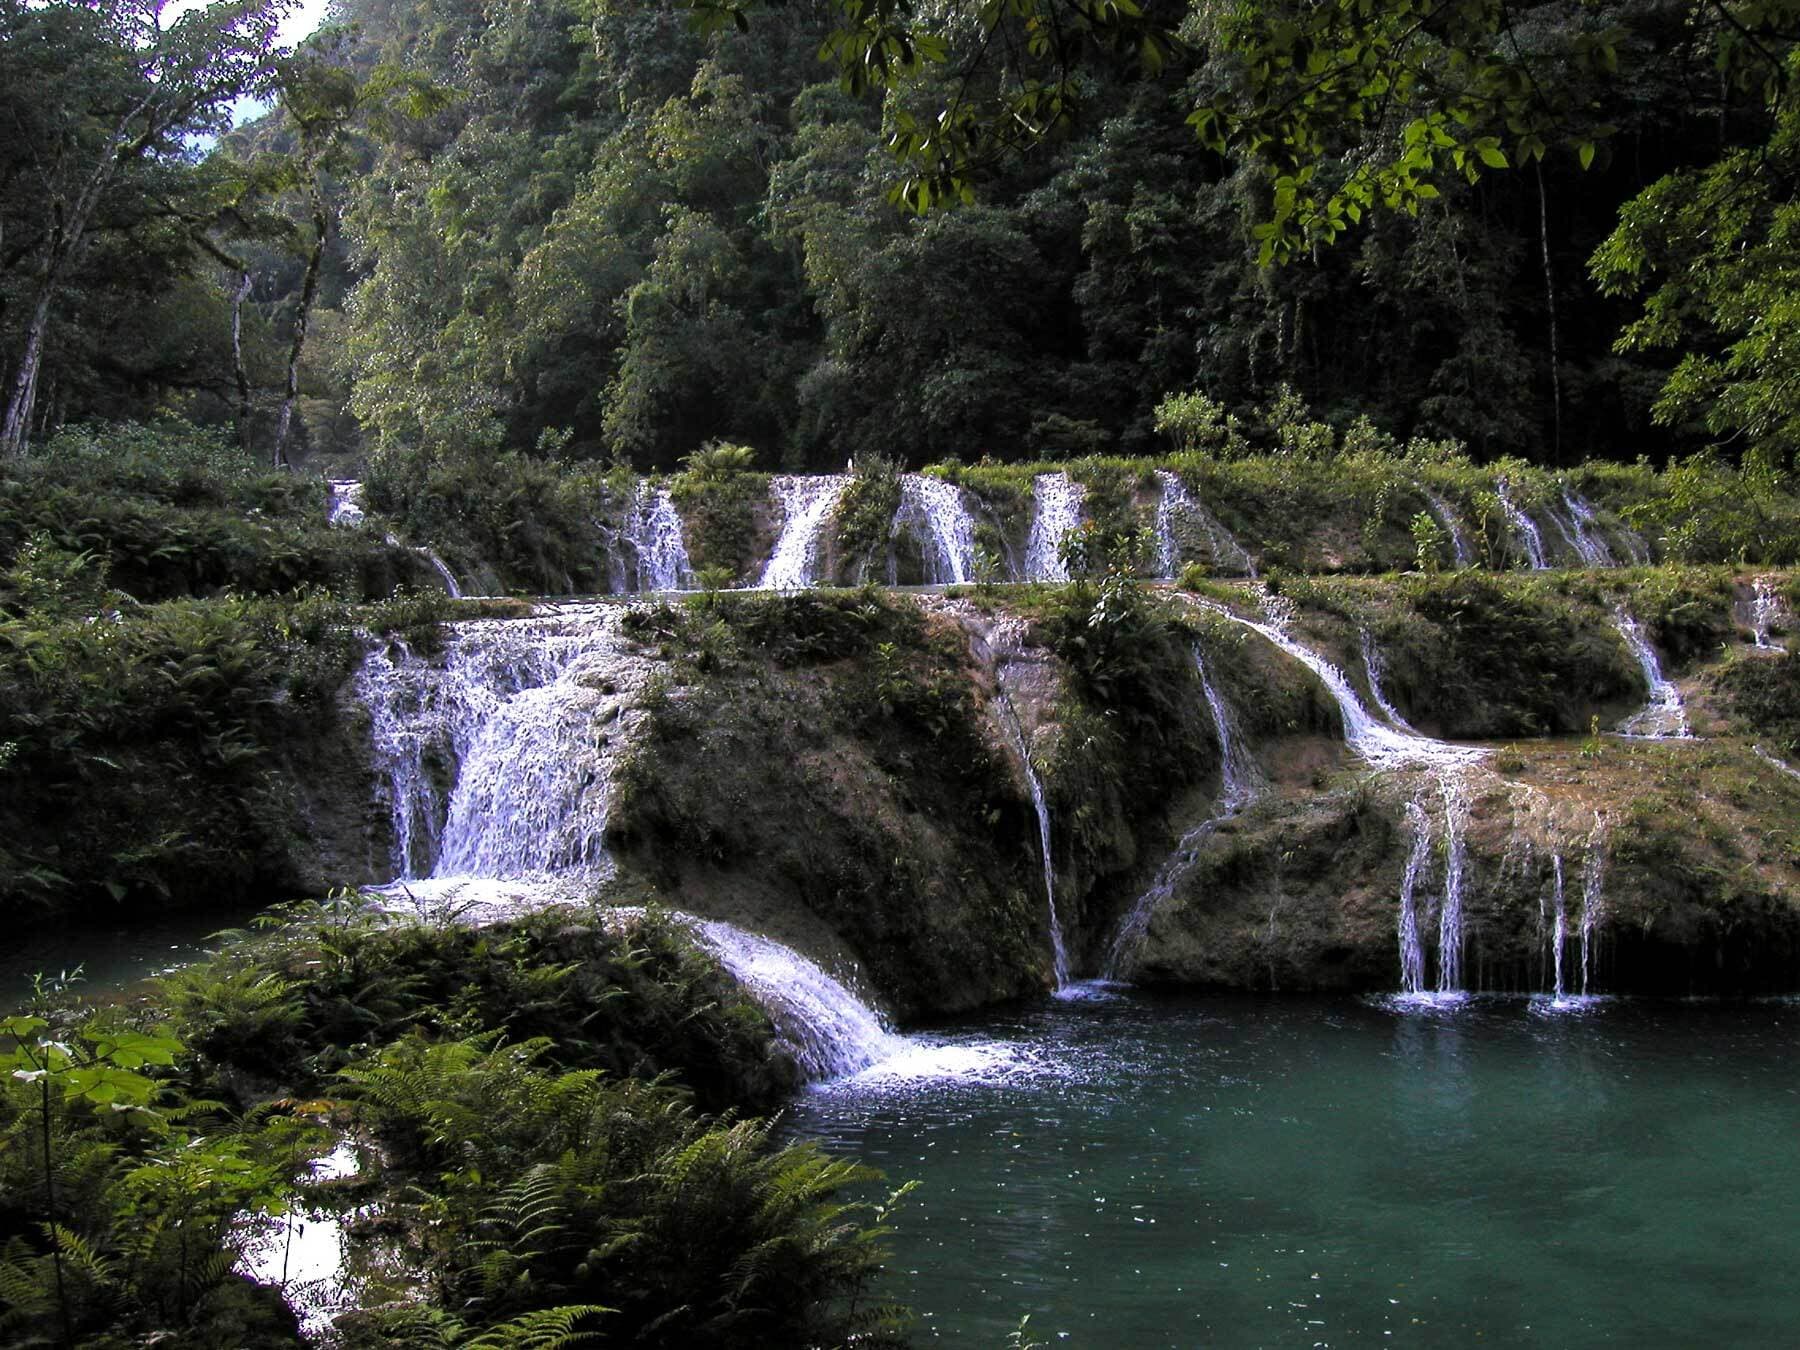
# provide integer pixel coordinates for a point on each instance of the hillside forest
(606, 230)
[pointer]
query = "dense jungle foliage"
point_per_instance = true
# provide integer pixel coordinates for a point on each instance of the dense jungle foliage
(537, 1114)
(582, 231)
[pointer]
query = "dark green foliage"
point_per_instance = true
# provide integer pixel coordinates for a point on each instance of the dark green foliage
(831, 746)
(172, 510)
(864, 519)
(1136, 730)
(1503, 658)
(641, 1003)
(1687, 612)
(723, 520)
(532, 523)
(1763, 699)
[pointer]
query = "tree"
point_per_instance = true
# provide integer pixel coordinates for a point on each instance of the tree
(111, 97)
(1715, 250)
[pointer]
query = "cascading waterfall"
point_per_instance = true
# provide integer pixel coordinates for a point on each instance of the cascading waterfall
(830, 1030)
(1376, 741)
(1176, 508)
(1459, 537)
(807, 503)
(346, 502)
(1058, 950)
(1589, 543)
(1056, 513)
(1559, 932)
(1372, 666)
(1523, 527)
(1412, 952)
(495, 759)
(441, 567)
(1664, 717)
(1593, 900)
(934, 513)
(1765, 610)
(653, 529)
(1450, 916)
(1239, 784)
(1388, 748)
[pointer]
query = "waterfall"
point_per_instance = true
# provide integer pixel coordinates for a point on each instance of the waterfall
(807, 503)
(1057, 512)
(1412, 954)
(1372, 666)
(653, 529)
(1059, 952)
(495, 758)
(1177, 509)
(1459, 537)
(1523, 527)
(934, 513)
(1239, 785)
(1767, 757)
(830, 1031)
(346, 502)
(1559, 933)
(1765, 610)
(438, 565)
(1663, 717)
(1450, 916)
(1593, 900)
(1375, 741)
(1589, 543)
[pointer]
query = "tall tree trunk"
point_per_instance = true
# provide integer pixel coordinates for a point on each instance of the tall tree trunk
(1550, 296)
(241, 294)
(25, 379)
(67, 238)
(308, 292)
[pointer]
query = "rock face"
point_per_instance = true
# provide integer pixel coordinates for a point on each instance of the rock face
(954, 801)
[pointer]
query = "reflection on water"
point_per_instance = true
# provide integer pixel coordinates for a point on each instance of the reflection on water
(1234, 1172)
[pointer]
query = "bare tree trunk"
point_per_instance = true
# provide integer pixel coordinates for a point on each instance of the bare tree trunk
(25, 379)
(308, 292)
(238, 297)
(67, 238)
(1550, 296)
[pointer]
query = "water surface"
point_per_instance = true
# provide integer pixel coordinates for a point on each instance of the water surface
(1297, 1173)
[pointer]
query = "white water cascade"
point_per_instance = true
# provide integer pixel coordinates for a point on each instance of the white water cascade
(1057, 512)
(830, 1030)
(346, 502)
(1388, 747)
(1371, 656)
(1765, 613)
(1559, 932)
(1412, 952)
(1450, 915)
(1664, 717)
(936, 515)
(1524, 527)
(1593, 901)
(1589, 542)
(653, 529)
(1177, 509)
(1239, 785)
(1381, 744)
(807, 503)
(1058, 950)
(1459, 537)
(495, 758)
(438, 565)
